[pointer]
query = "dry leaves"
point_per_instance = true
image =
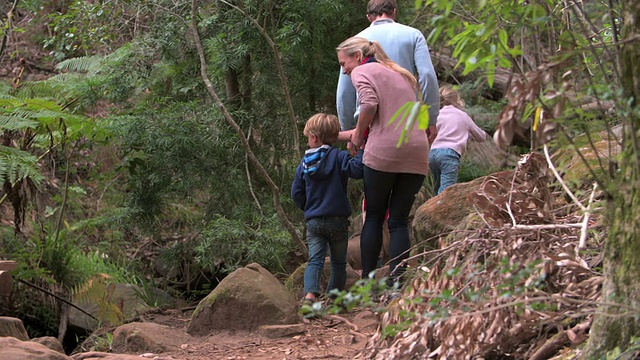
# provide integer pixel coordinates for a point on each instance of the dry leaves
(502, 291)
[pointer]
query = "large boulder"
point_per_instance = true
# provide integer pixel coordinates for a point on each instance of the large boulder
(295, 282)
(444, 212)
(244, 300)
(13, 327)
(147, 337)
(12, 348)
(353, 250)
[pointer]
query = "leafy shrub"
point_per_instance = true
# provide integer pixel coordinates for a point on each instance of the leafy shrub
(236, 242)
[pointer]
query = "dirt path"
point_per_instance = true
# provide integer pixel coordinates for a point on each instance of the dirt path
(332, 337)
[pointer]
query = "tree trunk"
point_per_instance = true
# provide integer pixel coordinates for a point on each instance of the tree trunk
(232, 88)
(617, 320)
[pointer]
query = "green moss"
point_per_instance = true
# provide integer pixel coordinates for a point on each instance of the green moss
(217, 294)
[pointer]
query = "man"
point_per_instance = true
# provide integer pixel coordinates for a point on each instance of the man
(404, 45)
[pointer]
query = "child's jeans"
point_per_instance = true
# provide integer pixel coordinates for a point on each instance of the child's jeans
(443, 165)
(323, 232)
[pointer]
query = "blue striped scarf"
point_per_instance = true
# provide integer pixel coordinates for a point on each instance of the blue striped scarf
(312, 158)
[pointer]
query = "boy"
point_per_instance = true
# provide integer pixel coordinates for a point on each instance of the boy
(320, 189)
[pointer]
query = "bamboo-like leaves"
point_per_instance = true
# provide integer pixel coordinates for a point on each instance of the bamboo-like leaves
(409, 114)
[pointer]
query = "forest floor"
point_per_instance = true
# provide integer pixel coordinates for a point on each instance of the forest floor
(330, 337)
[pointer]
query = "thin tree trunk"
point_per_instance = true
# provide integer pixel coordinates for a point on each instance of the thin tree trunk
(232, 87)
(614, 327)
(281, 73)
(243, 139)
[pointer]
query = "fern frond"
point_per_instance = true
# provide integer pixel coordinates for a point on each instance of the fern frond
(50, 88)
(84, 64)
(99, 290)
(9, 101)
(17, 165)
(9, 122)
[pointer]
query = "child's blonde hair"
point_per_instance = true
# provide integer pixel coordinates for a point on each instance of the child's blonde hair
(325, 126)
(449, 96)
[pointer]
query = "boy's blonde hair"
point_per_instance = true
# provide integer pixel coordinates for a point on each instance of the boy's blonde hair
(325, 126)
(449, 96)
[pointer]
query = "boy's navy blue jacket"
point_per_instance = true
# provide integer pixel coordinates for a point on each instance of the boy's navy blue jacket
(321, 189)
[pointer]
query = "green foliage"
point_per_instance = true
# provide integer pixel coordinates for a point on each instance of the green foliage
(366, 293)
(469, 171)
(630, 352)
(102, 343)
(233, 243)
(98, 290)
(409, 115)
(84, 27)
(483, 44)
(170, 166)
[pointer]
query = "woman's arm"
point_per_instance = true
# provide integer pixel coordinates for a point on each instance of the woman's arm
(345, 135)
(367, 113)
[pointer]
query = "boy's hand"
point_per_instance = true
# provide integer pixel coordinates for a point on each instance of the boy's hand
(352, 148)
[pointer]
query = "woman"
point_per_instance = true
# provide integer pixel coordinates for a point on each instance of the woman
(392, 176)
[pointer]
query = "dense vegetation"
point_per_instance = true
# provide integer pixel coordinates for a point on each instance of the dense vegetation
(114, 151)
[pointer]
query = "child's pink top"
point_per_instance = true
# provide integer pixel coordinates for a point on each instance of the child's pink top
(454, 129)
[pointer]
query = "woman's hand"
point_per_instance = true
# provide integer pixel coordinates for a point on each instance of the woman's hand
(357, 139)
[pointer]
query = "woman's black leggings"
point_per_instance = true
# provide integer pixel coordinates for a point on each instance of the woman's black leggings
(396, 192)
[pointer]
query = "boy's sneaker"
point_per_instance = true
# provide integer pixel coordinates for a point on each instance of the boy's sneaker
(388, 298)
(307, 302)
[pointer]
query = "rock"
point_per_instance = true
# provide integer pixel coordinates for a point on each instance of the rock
(353, 249)
(94, 355)
(244, 300)
(366, 321)
(281, 331)
(295, 282)
(50, 342)
(6, 283)
(12, 348)
(487, 157)
(13, 327)
(442, 213)
(147, 337)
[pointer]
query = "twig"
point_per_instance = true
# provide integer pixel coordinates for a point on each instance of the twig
(57, 297)
(340, 318)
(559, 178)
(547, 226)
(508, 204)
(585, 222)
(246, 168)
(548, 298)
(359, 334)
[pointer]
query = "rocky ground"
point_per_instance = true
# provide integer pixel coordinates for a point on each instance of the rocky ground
(332, 337)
